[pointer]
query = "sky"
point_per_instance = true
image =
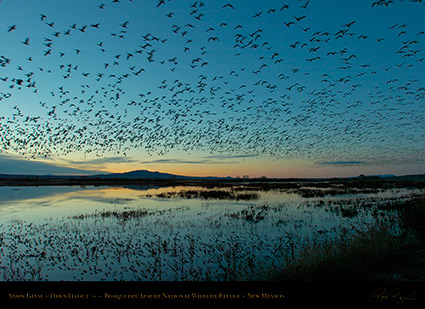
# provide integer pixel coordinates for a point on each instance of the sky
(212, 88)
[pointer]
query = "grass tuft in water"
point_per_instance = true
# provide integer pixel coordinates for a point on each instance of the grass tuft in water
(384, 247)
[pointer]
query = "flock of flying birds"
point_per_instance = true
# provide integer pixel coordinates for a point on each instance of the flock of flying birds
(214, 76)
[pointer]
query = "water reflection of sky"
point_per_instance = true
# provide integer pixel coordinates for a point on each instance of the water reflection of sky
(36, 203)
(214, 227)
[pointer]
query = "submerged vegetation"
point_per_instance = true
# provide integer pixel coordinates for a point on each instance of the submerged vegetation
(345, 236)
(122, 215)
(209, 194)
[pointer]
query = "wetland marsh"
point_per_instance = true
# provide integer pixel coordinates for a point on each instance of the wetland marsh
(237, 232)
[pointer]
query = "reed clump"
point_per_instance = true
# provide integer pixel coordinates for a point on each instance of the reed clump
(381, 249)
(210, 194)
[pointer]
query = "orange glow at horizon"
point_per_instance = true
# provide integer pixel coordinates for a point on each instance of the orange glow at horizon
(259, 169)
(203, 166)
(264, 169)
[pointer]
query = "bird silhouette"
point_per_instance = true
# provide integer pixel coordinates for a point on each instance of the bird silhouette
(26, 41)
(208, 76)
(11, 28)
(228, 5)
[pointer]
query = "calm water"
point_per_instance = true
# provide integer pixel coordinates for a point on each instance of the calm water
(108, 233)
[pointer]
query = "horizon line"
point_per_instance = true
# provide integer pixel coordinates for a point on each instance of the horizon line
(245, 177)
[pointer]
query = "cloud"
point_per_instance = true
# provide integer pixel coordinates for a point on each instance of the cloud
(125, 160)
(15, 165)
(175, 161)
(341, 163)
(231, 156)
(212, 159)
(103, 161)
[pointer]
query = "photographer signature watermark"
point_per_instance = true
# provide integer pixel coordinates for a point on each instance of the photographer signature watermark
(395, 296)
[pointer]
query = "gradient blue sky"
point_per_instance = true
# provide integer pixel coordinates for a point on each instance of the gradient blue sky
(225, 88)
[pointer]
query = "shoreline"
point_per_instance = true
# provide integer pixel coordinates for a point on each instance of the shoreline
(361, 181)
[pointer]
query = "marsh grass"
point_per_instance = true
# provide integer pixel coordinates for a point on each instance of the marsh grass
(123, 215)
(316, 190)
(357, 257)
(384, 247)
(210, 194)
(412, 213)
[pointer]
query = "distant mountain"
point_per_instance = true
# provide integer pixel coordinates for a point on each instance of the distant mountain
(137, 174)
(144, 174)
